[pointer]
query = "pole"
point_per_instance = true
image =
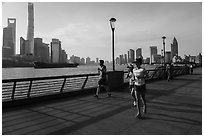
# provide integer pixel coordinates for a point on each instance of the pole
(164, 50)
(113, 50)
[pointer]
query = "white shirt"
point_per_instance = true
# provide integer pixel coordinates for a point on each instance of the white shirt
(139, 76)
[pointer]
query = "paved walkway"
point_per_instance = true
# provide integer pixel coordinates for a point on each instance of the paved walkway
(174, 107)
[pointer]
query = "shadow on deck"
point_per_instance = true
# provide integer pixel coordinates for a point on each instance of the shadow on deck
(173, 107)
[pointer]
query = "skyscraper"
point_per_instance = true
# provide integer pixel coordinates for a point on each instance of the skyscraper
(30, 31)
(139, 53)
(174, 48)
(131, 55)
(9, 39)
(153, 51)
(55, 50)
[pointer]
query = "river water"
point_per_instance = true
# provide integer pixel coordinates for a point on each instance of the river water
(14, 73)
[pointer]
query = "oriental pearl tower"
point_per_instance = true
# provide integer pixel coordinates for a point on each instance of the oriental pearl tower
(30, 32)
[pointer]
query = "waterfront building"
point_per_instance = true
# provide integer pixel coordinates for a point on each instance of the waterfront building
(168, 58)
(147, 61)
(153, 51)
(139, 53)
(88, 60)
(45, 54)
(97, 60)
(125, 58)
(199, 58)
(82, 61)
(55, 50)
(174, 48)
(121, 59)
(30, 31)
(38, 48)
(117, 60)
(63, 56)
(156, 58)
(9, 39)
(131, 55)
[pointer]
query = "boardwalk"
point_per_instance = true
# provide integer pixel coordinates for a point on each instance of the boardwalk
(174, 107)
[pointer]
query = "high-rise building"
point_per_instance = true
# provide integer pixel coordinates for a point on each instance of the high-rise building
(125, 59)
(24, 46)
(30, 31)
(88, 60)
(9, 39)
(97, 60)
(131, 55)
(153, 51)
(38, 48)
(168, 58)
(55, 50)
(174, 48)
(63, 56)
(139, 53)
(82, 61)
(45, 53)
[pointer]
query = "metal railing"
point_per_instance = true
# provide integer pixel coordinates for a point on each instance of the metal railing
(16, 89)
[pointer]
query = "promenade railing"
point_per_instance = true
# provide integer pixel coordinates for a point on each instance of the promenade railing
(24, 88)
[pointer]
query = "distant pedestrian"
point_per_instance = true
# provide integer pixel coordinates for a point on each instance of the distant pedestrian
(169, 71)
(131, 77)
(103, 79)
(191, 69)
(140, 86)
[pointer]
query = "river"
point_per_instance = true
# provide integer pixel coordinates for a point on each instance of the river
(15, 73)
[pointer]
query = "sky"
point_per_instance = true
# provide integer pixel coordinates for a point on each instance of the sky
(84, 29)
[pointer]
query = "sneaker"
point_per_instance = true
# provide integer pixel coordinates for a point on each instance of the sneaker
(96, 96)
(138, 115)
(134, 103)
(109, 94)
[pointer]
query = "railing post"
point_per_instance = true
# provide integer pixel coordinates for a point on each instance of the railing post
(13, 92)
(85, 82)
(28, 95)
(63, 85)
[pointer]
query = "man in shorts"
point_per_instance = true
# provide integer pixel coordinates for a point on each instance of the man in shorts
(140, 86)
(103, 79)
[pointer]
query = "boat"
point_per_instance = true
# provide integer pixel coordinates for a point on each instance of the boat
(53, 65)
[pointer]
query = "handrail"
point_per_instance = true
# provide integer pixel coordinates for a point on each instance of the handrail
(15, 89)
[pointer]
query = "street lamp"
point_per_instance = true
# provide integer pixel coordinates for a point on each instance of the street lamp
(112, 20)
(164, 47)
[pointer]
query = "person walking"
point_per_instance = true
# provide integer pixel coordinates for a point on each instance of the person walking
(103, 79)
(168, 71)
(140, 86)
(131, 77)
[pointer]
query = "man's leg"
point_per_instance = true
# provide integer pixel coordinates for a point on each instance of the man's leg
(138, 103)
(134, 96)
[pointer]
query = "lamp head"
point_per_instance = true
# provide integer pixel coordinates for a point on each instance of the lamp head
(163, 37)
(112, 20)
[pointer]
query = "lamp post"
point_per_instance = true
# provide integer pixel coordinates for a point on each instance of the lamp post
(164, 47)
(112, 20)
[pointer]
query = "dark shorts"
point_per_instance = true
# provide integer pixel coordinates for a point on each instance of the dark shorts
(102, 82)
(141, 88)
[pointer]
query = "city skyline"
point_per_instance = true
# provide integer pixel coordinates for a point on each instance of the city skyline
(85, 32)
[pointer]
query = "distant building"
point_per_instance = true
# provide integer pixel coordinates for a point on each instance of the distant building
(117, 60)
(131, 55)
(121, 59)
(174, 48)
(125, 59)
(55, 50)
(156, 58)
(82, 61)
(63, 56)
(30, 31)
(88, 60)
(9, 39)
(97, 60)
(153, 51)
(45, 54)
(147, 61)
(37, 48)
(168, 58)
(199, 58)
(139, 53)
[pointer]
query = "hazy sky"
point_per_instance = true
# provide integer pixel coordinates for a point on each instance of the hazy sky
(84, 30)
